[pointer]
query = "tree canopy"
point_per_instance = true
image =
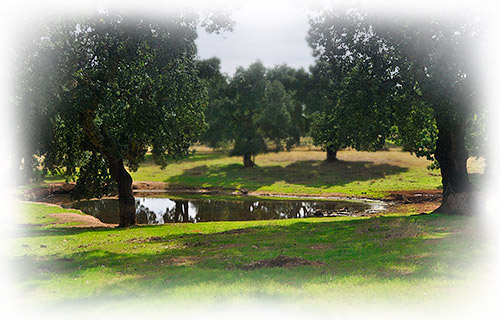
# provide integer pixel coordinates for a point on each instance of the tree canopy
(247, 90)
(216, 109)
(351, 106)
(255, 106)
(412, 78)
(97, 92)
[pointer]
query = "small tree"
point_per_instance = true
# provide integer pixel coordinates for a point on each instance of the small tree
(275, 119)
(350, 108)
(297, 85)
(247, 90)
(326, 133)
(256, 109)
(324, 125)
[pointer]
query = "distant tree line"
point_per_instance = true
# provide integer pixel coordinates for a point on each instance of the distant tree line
(411, 81)
(254, 106)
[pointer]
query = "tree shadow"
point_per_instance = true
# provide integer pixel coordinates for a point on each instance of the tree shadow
(307, 173)
(371, 248)
(198, 156)
(32, 232)
(478, 179)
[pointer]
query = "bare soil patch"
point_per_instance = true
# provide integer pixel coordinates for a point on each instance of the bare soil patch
(84, 221)
(413, 196)
(418, 207)
(280, 261)
(149, 185)
(182, 261)
(151, 188)
(146, 240)
(230, 245)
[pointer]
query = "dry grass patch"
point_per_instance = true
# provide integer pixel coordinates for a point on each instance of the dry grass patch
(182, 261)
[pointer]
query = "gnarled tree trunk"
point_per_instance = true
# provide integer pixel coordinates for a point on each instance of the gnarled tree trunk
(247, 160)
(331, 155)
(459, 195)
(126, 198)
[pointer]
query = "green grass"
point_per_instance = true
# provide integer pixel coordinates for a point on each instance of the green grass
(398, 258)
(32, 215)
(300, 172)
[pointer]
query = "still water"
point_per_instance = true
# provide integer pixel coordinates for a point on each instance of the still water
(165, 210)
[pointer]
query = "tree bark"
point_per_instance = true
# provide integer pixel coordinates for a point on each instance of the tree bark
(247, 160)
(126, 198)
(459, 195)
(331, 155)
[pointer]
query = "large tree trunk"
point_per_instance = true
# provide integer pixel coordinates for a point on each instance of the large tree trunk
(459, 195)
(247, 161)
(331, 154)
(126, 198)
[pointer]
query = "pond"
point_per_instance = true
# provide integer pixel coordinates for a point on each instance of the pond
(166, 210)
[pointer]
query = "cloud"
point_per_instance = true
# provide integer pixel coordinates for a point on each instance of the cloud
(274, 34)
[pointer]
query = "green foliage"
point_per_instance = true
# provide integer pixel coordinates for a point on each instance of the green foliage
(297, 84)
(476, 139)
(113, 86)
(247, 89)
(254, 106)
(93, 178)
(350, 98)
(401, 77)
(326, 132)
(216, 108)
(415, 130)
(275, 119)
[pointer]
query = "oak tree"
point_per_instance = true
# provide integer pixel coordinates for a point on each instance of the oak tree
(97, 92)
(425, 69)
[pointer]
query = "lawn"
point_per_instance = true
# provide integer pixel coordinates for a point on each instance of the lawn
(329, 262)
(326, 261)
(303, 171)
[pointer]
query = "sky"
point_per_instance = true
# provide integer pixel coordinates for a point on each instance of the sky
(274, 33)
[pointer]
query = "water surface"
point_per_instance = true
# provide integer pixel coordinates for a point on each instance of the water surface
(166, 210)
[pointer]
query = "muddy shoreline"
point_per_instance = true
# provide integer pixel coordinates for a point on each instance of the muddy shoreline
(146, 188)
(415, 201)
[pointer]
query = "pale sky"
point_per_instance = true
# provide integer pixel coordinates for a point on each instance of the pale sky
(275, 33)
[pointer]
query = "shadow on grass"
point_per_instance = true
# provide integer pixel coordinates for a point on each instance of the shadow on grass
(412, 248)
(148, 158)
(478, 179)
(29, 232)
(309, 173)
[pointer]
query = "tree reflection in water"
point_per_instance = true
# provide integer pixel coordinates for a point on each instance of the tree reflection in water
(164, 210)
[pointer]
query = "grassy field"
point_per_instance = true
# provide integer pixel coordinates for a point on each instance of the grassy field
(304, 171)
(301, 171)
(330, 261)
(398, 258)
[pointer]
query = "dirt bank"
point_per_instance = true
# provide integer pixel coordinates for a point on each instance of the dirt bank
(74, 220)
(415, 201)
(79, 221)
